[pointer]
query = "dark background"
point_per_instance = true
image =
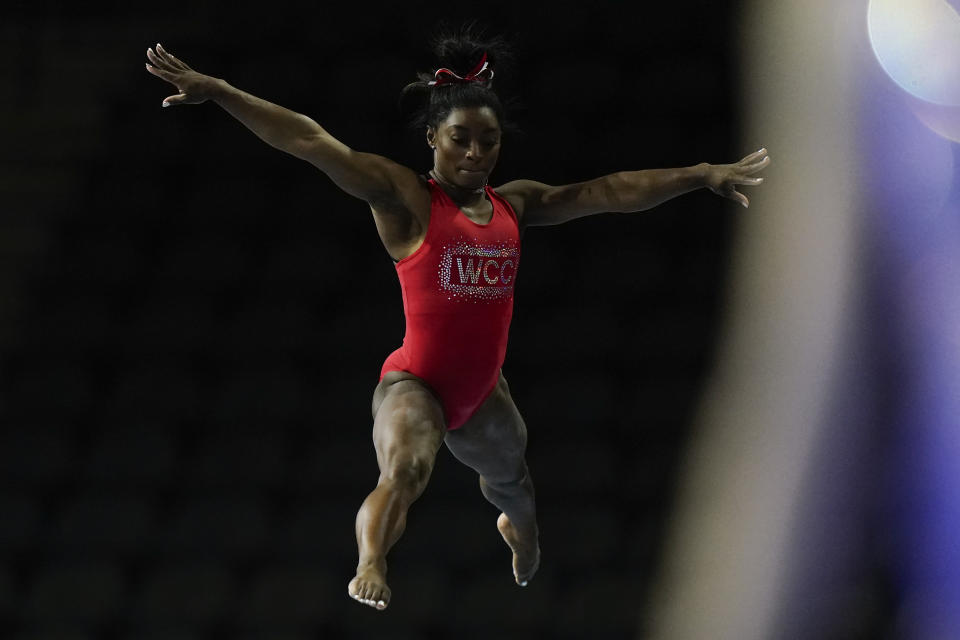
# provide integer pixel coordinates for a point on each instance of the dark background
(192, 323)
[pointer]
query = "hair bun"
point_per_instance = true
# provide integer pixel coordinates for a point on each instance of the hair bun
(462, 50)
(466, 60)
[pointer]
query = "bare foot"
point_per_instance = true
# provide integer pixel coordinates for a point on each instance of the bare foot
(370, 587)
(526, 553)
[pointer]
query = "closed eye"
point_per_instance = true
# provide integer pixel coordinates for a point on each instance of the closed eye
(464, 141)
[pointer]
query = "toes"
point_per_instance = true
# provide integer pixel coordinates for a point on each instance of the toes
(377, 604)
(370, 595)
(524, 578)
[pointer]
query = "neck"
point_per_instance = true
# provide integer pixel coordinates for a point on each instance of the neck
(456, 192)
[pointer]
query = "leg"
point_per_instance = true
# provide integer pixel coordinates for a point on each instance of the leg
(408, 428)
(493, 443)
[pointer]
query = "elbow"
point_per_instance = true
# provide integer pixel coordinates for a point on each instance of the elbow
(316, 147)
(308, 135)
(312, 130)
(626, 192)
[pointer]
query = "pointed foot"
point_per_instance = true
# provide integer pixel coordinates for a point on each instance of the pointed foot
(526, 550)
(369, 587)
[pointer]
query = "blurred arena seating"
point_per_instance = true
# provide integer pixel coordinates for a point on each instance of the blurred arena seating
(193, 326)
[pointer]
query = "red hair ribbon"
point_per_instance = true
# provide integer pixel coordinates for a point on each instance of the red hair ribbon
(480, 73)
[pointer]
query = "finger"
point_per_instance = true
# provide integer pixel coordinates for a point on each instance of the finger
(159, 62)
(172, 59)
(154, 58)
(752, 159)
(756, 155)
(174, 100)
(160, 73)
(749, 181)
(756, 166)
(183, 65)
(736, 196)
(162, 55)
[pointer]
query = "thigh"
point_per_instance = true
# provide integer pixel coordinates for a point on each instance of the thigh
(408, 424)
(493, 441)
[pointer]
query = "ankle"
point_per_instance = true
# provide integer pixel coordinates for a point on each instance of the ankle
(378, 564)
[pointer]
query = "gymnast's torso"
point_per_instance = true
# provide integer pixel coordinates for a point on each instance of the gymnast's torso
(457, 290)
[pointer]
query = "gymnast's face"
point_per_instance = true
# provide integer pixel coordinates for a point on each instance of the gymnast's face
(466, 146)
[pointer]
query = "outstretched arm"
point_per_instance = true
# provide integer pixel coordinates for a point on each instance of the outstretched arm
(628, 191)
(367, 176)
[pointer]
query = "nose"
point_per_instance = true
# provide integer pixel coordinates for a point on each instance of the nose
(474, 152)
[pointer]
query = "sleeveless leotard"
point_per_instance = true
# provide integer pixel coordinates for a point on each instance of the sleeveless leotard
(458, 301)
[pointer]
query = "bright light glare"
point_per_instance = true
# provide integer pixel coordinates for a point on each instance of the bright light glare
(918, 45)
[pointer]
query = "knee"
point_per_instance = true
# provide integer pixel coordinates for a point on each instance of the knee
(408, 474)
(507, 482)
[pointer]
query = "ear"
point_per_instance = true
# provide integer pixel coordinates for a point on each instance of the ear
(431, 137)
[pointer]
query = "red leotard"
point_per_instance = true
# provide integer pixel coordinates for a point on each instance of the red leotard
(458, 301)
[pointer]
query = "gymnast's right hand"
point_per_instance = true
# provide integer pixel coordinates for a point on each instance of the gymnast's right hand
(193, 87)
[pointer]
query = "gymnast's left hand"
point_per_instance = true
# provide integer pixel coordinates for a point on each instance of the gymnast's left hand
(722, 179)
(193, 87)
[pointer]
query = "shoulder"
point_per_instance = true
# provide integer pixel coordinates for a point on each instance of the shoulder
(411, 197)
(522, 195)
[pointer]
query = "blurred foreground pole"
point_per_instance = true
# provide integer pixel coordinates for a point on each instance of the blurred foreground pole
(910, 112)
(821, 492)
(731, 549)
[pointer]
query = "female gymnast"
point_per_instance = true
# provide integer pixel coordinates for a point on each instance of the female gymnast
(456, 244)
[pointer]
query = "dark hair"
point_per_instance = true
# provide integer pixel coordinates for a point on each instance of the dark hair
(459, 51)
